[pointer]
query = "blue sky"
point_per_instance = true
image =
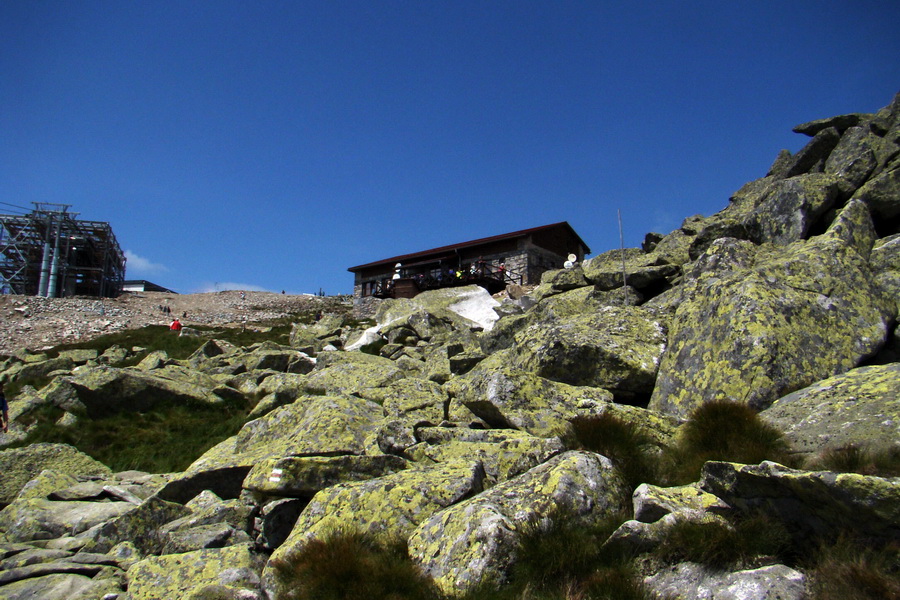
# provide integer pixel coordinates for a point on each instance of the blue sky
(272, 145)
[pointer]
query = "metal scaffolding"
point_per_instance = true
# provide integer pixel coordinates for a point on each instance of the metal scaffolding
(49, 253)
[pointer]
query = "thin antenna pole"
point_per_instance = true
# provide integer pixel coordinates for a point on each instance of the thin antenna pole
(622, 249)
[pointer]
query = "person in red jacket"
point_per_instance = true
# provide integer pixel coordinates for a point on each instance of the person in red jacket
(176, 325)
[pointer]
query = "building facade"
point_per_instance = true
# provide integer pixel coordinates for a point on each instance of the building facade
(519, 257)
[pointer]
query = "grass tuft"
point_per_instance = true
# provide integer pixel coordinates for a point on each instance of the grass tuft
(723, 430)
(352, 565)
(853, 458)
(851, 570)
(633, 453)
(721, 545)
(564, 549)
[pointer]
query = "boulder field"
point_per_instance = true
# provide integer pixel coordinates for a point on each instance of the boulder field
(449, 422)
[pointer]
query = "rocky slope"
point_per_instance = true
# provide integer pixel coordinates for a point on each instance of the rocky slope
(33, 323)
(450, 422)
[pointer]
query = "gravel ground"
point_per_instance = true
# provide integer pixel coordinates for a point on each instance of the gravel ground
(35, 323)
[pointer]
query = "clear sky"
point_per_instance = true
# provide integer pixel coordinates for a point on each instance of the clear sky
(273, 144)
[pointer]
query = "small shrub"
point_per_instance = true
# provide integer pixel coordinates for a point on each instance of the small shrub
(633, 453)
(852, 458)
(723, 430)
(352, 565)
(851, 570)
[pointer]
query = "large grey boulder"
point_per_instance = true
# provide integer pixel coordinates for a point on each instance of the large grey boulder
(410, 398)
(882, 194)
(860, 407)
(641, 270)
(62, 582)
(503, 453)
(690, 581)
(475, 540)
(103, 391)
(810, 504)
(430, 316)
(615, 348)
(304, 476)
(180, 575)
(392, 505)
(505, 396)
(772, 210)
(140, 526)
(859, 154)
(811, 158)
(795, 317)
(41, 519)
(318, 425)
(21, 465)
(345, 373)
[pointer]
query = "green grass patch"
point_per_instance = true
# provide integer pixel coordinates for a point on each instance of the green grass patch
(726, 431)
(165, 440)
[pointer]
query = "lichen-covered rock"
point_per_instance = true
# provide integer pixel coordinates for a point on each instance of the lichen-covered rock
(475, 540)
(636, 537)
(41, 519)
(392, 505)
(811, 158)
(652, 503)
(576, 303)
(885, 262)
(562, 280)
(507, 397)
(179, 575)
(21, 465)
(202, 525)
(690, 581)
(61, 586)
(795, 317)
(616, 348)
(140, 526)
(810, 503)
(212, 535)
(502, 457)
(857, 156)
(410, 398)
(46, 482)
(324, 425)
(345, 373)
(271, 356)
(860, 407)
(436, 312)
(882, 194)
(36, 370)
(303, 476)
(641, 270)
(108, 390)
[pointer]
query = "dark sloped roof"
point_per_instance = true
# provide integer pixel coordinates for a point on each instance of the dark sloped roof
(405, 258)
